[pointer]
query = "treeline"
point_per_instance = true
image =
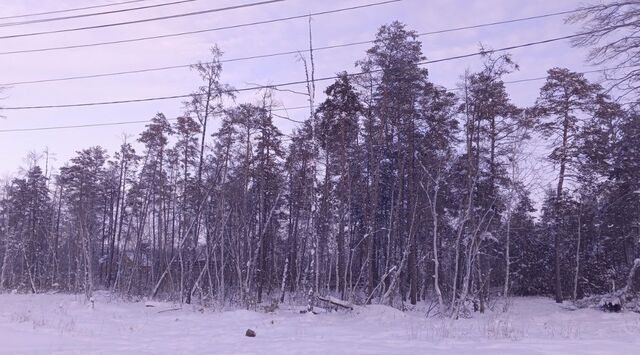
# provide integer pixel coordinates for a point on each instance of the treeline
(394, 190)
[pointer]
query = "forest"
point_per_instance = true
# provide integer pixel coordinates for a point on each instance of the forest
(394, 190)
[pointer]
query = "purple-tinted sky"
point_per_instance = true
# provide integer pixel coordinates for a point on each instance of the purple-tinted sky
(352, 26)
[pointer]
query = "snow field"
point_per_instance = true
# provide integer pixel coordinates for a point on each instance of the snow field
(66, 324)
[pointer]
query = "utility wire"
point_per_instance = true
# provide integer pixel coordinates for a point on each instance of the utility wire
(504, 22)
(73, 126)
(70, 17)
(279, 116)
(298, 82)
(182, 66)
(454, 29)
(122, 123)
(161, 18)
(138, 39)
(71, 9)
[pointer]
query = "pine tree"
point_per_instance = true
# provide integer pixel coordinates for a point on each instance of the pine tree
(82, 181)
(186, 154)
(338, 121)
(564, 99)
(439, 129)
(491, 124)
(393, 63)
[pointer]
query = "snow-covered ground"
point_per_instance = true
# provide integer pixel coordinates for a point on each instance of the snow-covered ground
(66, 324)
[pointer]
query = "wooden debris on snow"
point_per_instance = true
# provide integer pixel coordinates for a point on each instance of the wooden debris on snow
(336, 302)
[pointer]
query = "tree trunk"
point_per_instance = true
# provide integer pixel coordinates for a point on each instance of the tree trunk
(556, 236)
(577, 272)
(507, 258)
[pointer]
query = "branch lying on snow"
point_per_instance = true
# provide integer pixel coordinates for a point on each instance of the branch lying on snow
(151, 304)
(169, 310)
(337, 302)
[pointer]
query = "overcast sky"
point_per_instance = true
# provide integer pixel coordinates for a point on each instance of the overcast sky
(350, 26)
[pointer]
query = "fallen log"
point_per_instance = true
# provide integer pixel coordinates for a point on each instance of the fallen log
(336, 302)
(169, 310)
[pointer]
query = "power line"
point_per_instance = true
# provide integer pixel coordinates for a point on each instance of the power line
(122, 123)
(70, 17)
(182, 66)
(138, 39)
(72, 126)
(161, 18)
(539, 78)
(504, 22)
(170, 97)
(279, 109)
(71, 9)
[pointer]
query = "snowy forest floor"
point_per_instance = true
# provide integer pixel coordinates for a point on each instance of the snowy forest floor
(66, 324)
